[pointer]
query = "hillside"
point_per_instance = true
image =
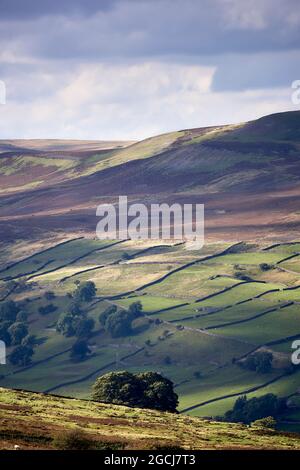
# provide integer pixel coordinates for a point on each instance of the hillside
(205, 311)
(58, 145)
(35, 421)
(26, 164)
(257, 161)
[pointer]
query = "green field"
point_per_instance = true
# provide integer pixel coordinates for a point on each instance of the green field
(198, 318)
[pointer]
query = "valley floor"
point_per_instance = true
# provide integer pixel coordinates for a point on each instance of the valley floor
(205, 310)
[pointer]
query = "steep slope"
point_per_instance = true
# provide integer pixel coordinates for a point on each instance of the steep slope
(275, 127)
(26, 164)
(247, 175)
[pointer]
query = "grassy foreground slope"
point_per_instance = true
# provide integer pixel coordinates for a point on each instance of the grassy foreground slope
(34, 420)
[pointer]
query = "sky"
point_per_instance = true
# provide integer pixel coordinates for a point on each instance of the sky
(130, 69)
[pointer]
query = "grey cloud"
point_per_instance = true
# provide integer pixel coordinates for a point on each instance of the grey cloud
(257, 71)
(127, 29)
(26, 9)
(49, 51)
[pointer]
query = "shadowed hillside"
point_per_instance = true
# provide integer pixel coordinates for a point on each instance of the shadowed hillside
(247, 175)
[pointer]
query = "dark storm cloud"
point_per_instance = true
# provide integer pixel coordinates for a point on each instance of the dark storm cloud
(90, 29)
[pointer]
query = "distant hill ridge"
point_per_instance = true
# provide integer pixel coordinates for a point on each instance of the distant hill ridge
(259, 161)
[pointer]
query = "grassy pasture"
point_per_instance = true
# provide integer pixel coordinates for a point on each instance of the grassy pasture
(220, 383)
(283, 387)
(54, 257)
(273, 326)
(117, 279)
(283, 295)
(287, 248)
(248, 259)
(193, 282)
(227, 315)
(150, 303)
(292, 265)
(179, 353)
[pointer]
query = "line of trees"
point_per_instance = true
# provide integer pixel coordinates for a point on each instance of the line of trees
(75, 322)
(249, 410)
(14, 331)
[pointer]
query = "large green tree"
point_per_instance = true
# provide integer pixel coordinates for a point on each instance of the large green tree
(84, 327)
(80, 350)
(75, 309)
(106, 313)
(158, 392)
(85, 292)
(17, 332)
(118, 324)
(136, 309)
(146, 390)
(65, 325)
(21, 355)
(75, 325)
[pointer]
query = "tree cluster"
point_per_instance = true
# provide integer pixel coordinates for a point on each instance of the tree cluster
(75, 321)
(246, 411)
(14, 332)
(260, 362)
(85, 292)
(118, 322)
